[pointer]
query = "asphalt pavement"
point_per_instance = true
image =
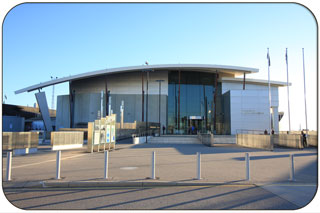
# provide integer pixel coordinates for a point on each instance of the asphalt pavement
(224, 197)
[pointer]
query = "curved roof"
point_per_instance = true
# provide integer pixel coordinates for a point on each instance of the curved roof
(256, 81)
(183, 67)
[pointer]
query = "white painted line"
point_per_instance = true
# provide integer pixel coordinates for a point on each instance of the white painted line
(129, 168)
(69, 146)
(53, 160)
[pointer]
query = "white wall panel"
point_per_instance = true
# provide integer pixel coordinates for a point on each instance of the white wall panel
(252, 113)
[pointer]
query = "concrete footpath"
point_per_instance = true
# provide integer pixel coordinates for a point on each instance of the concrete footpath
(176, 165)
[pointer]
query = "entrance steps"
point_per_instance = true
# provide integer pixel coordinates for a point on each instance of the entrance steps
(191, 139)
(224, 139)
(175, 139)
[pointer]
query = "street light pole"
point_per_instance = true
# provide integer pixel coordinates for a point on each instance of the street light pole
(159, 104)
(147, 106)
(52, 100)
(142, 97)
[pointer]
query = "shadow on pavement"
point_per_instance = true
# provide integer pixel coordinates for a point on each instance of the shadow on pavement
(274, 156)
(191, 149)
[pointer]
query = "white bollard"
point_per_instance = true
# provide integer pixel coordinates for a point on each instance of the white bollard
(198, 165)
(291, 163)
(9, 163)
(106, 165)
(153, 165)
(58, 164)
(247, 166)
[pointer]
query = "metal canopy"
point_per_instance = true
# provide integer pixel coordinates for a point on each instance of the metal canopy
(182, 67)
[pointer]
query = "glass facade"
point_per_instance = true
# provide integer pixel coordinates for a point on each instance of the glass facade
(196, 111)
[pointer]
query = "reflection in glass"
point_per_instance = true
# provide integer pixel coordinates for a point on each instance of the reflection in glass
(196, 102)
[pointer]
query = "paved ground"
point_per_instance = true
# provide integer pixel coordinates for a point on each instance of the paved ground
(223, 163)
(157, 198)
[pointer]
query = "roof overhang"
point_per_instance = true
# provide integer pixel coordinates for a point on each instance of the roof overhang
(255, 81)
(235, 70)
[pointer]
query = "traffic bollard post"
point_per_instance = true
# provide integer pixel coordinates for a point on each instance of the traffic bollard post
(9, 164)
(58, 164)
(291, 165)
(153, 165)
(198, 165)
(106, 165)
(247, 166)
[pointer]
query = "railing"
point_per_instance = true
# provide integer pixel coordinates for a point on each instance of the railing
(249, 131)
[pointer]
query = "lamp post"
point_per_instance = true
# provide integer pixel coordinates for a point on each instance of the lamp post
(147, 70)
(52, 100)
(147, 101)
(159, 104)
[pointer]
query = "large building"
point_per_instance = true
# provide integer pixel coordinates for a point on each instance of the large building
(193, 97)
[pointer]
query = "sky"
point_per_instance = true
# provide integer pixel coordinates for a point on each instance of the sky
(41, 40)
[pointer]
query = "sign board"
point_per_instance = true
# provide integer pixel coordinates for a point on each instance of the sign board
(113, 133)
(96, 132)
(66, 140)
(108, 134)
(195, 117)
(104, 130)
(96, 137)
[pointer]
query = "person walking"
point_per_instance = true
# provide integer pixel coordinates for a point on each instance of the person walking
(304, 139)
(163, 129)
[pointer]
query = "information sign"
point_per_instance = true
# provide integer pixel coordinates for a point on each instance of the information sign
(113, 133)
(108, 134)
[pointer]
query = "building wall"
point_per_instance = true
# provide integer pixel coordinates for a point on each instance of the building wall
(226, 114)
(241, 109)
(12, 123)
(249, 108)
(63, 112)
(123, 83)
(125, 87)
(226, 86)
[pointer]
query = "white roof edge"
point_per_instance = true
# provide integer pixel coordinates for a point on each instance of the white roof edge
(134, 68)
(256, 81)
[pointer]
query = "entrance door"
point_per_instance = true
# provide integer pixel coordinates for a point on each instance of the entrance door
(195, 125)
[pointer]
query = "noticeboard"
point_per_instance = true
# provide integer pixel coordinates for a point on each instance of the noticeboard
(113, 133)
(108, 137)
(104, 130)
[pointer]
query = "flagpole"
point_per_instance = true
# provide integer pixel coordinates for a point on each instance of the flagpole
(288, 89)
(305, 98)
(268, 56)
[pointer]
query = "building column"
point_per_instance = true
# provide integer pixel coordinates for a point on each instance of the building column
(244, 81)
(179, 103)
(215, 102)
(71, 104)
(107, 97)
(142, 97)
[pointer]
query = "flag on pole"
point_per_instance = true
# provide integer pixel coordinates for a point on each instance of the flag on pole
(288, 90)
(270, 120)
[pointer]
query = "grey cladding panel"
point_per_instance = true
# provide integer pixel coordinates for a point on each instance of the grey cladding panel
(43, 106)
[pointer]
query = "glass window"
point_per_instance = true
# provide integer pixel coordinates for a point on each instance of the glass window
(196, 102)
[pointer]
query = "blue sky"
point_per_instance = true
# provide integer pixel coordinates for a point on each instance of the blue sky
(43, 40)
